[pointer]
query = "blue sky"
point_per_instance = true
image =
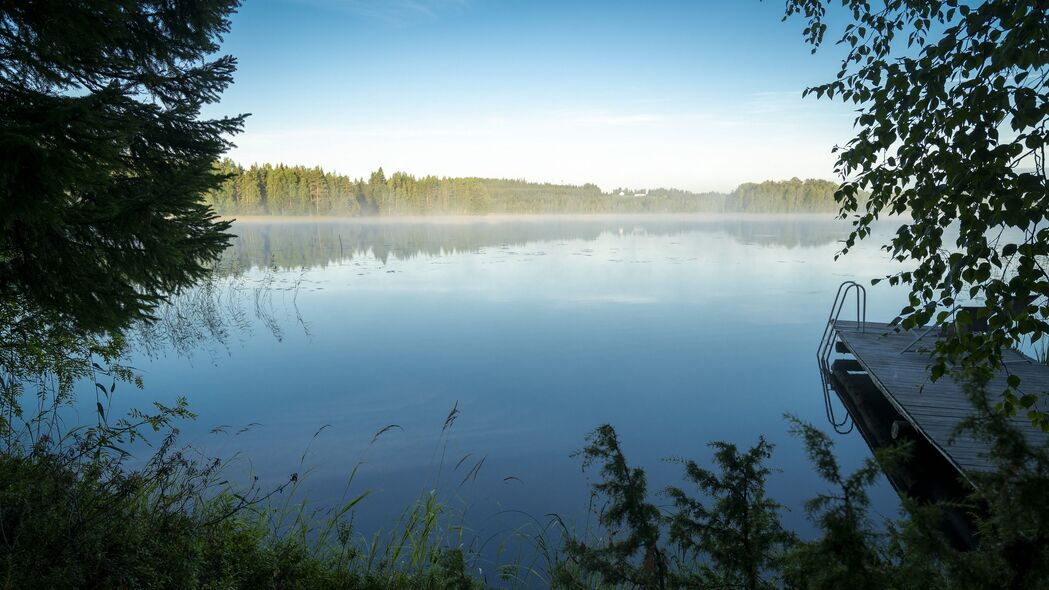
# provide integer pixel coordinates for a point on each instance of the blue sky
(694, 95)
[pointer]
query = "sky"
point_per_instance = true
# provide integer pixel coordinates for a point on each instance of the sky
(692, 95)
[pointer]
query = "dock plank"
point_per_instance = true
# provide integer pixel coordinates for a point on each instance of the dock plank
(898, 364)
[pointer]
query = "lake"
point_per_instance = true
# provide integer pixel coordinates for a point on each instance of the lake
(675, 330)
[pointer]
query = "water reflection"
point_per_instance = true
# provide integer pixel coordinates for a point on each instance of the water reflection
(675, 330)
(222, 309)
(313, 243)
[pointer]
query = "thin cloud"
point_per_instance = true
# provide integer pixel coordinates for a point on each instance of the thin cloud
(596, 117)
(395, 12)
(618, 120)
(276, 136)
(774, 102)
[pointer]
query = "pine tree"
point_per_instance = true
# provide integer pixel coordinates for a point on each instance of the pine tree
(734, 534)
(104, 157)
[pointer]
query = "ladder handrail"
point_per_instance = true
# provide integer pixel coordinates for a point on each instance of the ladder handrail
(835, 312)
(826, 346)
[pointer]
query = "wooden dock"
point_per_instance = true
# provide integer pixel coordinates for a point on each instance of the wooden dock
(897, 362)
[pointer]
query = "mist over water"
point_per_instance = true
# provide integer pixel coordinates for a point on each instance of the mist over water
(677, 330)
(319, 241)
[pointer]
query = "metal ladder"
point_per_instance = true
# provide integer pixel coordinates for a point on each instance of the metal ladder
(826, 347)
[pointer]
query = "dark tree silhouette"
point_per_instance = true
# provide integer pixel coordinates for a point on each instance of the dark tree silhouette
(953, 102)
(104, 156)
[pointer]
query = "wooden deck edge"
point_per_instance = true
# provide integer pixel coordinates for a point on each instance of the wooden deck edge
(904, 413)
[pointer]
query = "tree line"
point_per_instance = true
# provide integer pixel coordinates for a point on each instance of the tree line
(268, 189)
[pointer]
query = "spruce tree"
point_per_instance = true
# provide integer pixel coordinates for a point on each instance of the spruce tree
(105, 157)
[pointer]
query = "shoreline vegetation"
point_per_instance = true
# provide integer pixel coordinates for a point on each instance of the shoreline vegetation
(81, 517)
(520, 217)
(281, 190)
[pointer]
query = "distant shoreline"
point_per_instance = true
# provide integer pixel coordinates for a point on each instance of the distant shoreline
(528, 217)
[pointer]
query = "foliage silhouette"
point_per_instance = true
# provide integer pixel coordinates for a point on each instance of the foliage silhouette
(953, 102)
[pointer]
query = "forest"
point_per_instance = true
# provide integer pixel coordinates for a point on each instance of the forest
(298, 190)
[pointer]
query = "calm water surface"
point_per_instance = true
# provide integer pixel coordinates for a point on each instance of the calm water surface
(676, 330)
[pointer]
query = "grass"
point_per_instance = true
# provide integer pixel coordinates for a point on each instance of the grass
(71, 506)
(91, 524)
(74, 515)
